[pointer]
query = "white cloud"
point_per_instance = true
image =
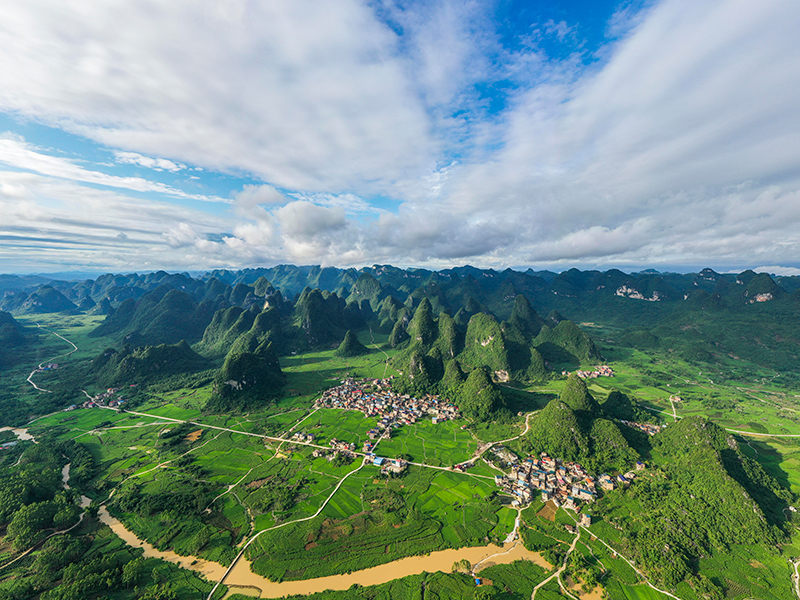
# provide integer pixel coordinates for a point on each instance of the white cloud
(59, 222)
(561, 30)
(159, 164)
(778, 270)
(305, 221)
(287, 91)
(17, 153)
(679, 145)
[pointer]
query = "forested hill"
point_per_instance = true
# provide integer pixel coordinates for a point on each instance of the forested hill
(700, 315)
(580, 293)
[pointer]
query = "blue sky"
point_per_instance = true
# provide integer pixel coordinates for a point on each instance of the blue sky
(635, 134)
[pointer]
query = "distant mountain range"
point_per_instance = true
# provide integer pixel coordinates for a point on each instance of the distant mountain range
(474, 318)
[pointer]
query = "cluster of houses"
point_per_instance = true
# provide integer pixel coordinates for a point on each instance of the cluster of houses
(102, 400)
(342, 446)
(337, 447)
(374, 398)
(563, 483)
(303, 437)
(609, 482)
(648, 428)
(390, 466)
(566, 484)
(602, 371)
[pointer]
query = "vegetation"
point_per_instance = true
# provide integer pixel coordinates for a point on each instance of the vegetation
(573, 428)
(247, 380)
(249, 351)
(350, 346)
(699, 501)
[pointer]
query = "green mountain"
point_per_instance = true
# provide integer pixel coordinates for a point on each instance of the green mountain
(485, 345)
(422, 328)
(576, 395)
(319, 317)
(557, 431)
(566, 342)
(706, 497)
(367, 288)
(45, 299)
(572, 427)
(506, 350)
(391, 311)
(165, 316)
(246, 381)
(144, 364)
(479, 398)
(12, 338)
(350, 346)
(524, 318)
(227, 325)
(398, 334)
(620, 406)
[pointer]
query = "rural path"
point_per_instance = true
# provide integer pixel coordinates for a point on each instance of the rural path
(228, 491)
(482, 448)
(676, 416)
(632, 566)
(290, 441)
(255, 537)
(39, 368)
(40, 542)
(65, 483)
(749, 392)
(514, 532)
(375, 345)
(557, 573)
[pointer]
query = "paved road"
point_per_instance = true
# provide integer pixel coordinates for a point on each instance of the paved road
(290, 441)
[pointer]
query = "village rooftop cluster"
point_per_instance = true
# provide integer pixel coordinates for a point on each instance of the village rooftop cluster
(602, 371)
(374, 398)
(566, 484)
(102, 400)
(648, 428)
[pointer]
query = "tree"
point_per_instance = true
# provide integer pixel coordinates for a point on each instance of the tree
(132, 572)
(485, 592)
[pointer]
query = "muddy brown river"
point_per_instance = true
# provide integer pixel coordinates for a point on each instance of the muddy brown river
(242, 579)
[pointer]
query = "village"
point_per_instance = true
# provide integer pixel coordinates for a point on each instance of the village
(564, 484)
(374, 398)
(389, 466)
(648, 428)
(105, 399)
(601, 371)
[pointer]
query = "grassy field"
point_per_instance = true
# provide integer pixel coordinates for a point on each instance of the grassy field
(233, 485)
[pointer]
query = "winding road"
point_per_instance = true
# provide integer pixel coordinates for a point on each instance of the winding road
(39, 368)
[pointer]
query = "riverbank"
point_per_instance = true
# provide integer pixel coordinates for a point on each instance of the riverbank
(243, 580)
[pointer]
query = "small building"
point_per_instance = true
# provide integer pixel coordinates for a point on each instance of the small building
(378, 461)
(586, 520)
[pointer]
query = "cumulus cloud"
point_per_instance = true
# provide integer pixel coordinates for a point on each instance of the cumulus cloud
(304, 220)
(286, 91)
(679, 144)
